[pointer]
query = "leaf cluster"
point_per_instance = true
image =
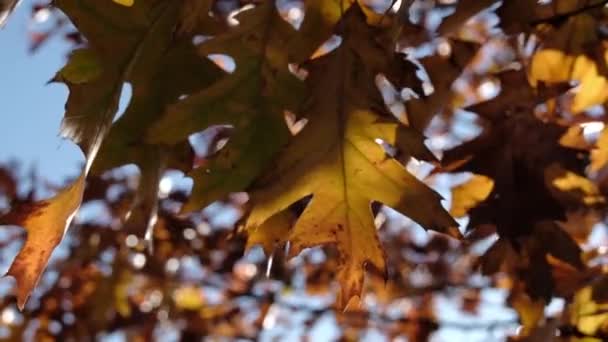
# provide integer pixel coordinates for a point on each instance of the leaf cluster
(311, 118)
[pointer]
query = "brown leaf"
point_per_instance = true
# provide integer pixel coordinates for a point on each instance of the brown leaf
(45, 223)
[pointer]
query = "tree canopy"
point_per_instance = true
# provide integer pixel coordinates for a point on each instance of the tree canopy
(323, 132)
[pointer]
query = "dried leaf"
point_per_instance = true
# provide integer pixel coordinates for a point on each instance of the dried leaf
(91, 106)
(45, 223)
(347, 170)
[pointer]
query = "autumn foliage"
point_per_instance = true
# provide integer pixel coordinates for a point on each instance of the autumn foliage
(324, 130)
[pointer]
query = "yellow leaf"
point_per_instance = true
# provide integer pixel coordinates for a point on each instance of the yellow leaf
(256, 113)
(586, 314)
(551, 66)
(45, 222)
(555, 66)
(337, 160)
(574, 138)
(127, 3)
(95, 77)
(599, 155)
(467, 195)
(572, 183)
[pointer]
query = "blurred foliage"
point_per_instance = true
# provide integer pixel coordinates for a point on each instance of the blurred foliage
(318, 136)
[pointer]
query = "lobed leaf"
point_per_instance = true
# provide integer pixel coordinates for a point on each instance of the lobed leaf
(337, 160)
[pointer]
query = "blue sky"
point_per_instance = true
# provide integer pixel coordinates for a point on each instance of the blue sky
(31, 110)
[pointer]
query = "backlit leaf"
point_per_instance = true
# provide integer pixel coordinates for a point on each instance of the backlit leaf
(554, 66)
(467, 195)
(91, 106)
(574, 184)
(347, 169)
(45, 223)
(252, 99)
(586, 314)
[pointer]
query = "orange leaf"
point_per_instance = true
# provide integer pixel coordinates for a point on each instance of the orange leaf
(45, 222)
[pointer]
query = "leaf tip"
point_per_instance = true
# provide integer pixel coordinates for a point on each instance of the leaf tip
(22, 284)
(454, 232)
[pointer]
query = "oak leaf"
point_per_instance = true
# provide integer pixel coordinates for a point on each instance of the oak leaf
(175, 70)
(337, 160)
(525, 200)
(117, 48)
(252, 99)
(45, 223)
